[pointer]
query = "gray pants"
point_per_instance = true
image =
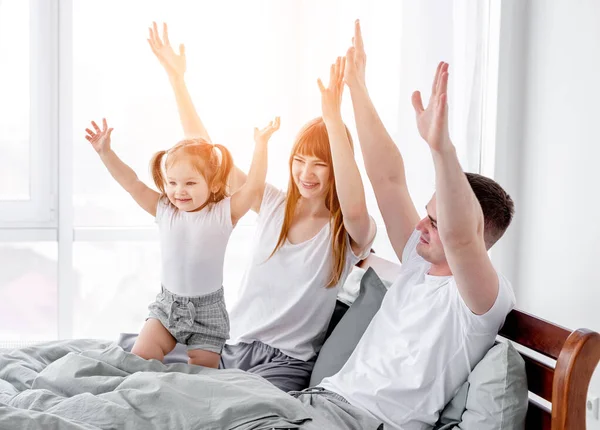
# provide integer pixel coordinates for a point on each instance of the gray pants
(331, 411)
(286, 373)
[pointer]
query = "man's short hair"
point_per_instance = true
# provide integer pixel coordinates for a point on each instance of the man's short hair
(498, 207)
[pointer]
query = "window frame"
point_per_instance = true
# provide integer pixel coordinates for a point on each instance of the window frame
(39, 212)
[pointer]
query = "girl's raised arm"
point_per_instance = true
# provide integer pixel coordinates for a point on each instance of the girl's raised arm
(250, 195)
(145, 196)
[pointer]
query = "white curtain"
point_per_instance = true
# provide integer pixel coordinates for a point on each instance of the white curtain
(433, 31)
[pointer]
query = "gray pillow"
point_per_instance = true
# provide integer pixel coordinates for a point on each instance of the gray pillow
(498, 395)
(494, 397)
(452, 413)
(339, 346)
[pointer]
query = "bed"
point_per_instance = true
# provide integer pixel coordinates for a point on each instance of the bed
(90, 384)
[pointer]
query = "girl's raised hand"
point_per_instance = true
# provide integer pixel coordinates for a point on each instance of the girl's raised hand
(100, 139)
(331, 97)
(262, 136)
(174, 64)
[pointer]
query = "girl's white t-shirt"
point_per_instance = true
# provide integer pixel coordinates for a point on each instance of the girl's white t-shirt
(193, 246)
(284, 301)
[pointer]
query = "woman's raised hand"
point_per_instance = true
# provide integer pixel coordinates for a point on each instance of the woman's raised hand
(174, 64)
(331, 97)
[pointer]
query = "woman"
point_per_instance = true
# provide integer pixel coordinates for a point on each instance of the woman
(307, 240)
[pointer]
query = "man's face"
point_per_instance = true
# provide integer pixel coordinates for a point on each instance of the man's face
(430, 246)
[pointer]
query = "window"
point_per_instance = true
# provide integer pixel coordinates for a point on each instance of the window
(244, 67)
(14, 105)
(27, 136)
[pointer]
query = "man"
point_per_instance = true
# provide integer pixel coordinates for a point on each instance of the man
(444, 311)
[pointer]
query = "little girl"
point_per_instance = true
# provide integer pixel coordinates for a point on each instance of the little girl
(195, 218)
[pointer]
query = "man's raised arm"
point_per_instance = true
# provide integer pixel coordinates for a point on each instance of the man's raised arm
(460, 219)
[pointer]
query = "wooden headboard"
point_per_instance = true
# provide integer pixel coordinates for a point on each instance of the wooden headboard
(577, 353)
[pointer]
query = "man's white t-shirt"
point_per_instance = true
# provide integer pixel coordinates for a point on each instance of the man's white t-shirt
(192, 246)
(284, 301)
(419, 348)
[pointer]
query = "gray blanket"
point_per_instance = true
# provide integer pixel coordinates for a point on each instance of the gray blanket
(90, 384)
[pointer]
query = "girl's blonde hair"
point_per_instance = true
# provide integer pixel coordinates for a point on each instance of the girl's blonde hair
(313, 140)
(204, 157)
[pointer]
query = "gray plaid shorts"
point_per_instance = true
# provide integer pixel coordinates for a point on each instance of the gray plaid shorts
(200, 322)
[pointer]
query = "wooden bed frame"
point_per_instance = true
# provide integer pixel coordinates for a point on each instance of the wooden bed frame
(577, 353)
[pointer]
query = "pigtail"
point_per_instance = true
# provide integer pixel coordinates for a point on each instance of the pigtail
(221, 173)
(157, 171)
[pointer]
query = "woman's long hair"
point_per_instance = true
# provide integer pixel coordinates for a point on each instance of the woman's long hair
(313, 140)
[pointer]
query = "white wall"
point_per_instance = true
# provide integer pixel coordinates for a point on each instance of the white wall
(548, 154)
